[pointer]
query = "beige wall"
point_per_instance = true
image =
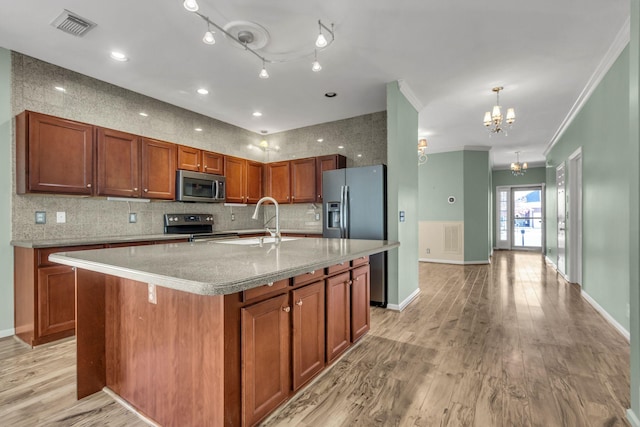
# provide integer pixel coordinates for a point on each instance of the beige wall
(443, 240)
(93, 101)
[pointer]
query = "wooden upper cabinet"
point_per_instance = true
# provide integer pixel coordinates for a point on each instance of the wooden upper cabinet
(278, 181)
(253, 181)
(326, 163)
(53, 155)
(244, 180)
(193, 159)
(303, 180)
(158, 169)
(118, 163)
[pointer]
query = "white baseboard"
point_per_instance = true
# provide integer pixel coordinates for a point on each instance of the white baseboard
(7, 332)
(456, 262)
(405, 303)
(632, 418)
(606, 315)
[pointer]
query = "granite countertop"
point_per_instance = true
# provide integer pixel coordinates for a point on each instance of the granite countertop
(217, 268)
(80, 241)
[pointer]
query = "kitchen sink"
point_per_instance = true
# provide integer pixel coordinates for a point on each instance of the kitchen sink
(255, 240)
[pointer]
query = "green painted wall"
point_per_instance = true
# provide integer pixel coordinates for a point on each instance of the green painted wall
(601, 128)
(476, 206)
(501, 178)
(402, 194)
(6, 252)
(439, 178)
(633, 171)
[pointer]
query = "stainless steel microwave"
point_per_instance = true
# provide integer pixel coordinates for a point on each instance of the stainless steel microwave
(199, 187)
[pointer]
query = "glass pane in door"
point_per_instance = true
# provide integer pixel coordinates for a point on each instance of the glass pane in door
(527, 218)
(503, 214)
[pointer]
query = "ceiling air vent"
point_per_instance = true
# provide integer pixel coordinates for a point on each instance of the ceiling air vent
(72, 24)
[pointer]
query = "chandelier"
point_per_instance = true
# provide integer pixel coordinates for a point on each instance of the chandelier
(251, 37)
(493, 119)
(517, 168)
(422, 152)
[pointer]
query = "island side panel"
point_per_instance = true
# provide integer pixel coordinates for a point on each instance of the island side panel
(166, 359)
(90, 332)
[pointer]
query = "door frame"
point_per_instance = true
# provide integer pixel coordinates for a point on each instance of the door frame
(510, 189)
(574, 217)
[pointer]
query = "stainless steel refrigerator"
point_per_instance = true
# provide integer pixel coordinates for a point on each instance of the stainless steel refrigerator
(355, 207)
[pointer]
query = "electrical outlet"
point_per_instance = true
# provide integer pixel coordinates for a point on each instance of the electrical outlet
(133, 217)
(428, 251)
(317, 217)
(233, 217)
(61, 217)
(41, 217)
(153, 296)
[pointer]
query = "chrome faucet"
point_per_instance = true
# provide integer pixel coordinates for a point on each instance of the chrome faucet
(277, 235)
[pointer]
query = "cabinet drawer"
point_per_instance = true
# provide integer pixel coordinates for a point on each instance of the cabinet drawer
(254, 293)
(360, 261)
(338, 268)
(308, 277)
(43, 254)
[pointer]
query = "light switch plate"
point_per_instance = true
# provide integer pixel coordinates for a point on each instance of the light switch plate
(41, 217)
(153, 296)
(133, 217)
(61, 217)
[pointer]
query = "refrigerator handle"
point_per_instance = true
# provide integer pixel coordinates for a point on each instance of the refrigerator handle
(347, 226)
(342, 206)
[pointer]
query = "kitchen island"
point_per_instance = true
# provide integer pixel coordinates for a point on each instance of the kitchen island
(216, 333)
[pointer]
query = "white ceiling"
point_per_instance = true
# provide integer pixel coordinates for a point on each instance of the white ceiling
(449, 53)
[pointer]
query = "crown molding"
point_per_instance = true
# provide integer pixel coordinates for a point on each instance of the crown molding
(614, 51)
(458, 148)
(411, 97)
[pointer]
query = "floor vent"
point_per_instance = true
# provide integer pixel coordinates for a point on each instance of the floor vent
(72, 24)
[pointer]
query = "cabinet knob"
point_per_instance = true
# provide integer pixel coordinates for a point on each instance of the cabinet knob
(319, 196)
(287, 197)
(358, 278)
(146, 190)
(312, 272)
(198, 164)
(270, 284)
(286, 309)
(135, 189)
(299, 302)
(88, 185)
(292, 197)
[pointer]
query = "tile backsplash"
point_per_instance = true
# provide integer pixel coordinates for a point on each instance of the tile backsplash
(96, 102)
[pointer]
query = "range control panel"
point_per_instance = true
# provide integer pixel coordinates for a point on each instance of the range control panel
(187, 219)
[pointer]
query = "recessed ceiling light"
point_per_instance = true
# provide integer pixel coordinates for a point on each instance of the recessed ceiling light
(320, 139)
(143, 114)
(203, 91)
(198, 129)
(119, 56)
(340, 147)
(60, 89)
(330, 94)
(359, 155)
(257, 114)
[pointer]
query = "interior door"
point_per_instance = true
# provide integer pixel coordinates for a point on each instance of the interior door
(503, 217)
(562, 224)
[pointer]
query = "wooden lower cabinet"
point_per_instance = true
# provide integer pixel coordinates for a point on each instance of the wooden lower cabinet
(338, 315)
(266, 370)
(56, 300)
(360, 298)
(308, 351)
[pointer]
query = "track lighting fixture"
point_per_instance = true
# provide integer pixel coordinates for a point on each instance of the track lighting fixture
(252, 37)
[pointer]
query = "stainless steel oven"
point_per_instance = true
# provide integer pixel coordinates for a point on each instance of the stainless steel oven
(198, 227)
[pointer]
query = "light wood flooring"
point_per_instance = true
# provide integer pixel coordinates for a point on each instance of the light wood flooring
(506, 344)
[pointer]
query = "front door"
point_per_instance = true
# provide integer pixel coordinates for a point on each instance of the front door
(528, 226)
(562, 224)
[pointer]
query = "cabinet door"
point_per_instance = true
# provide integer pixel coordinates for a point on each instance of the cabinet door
(303, 180)
(266, 370)
(53, 155)
(189, 158)
(253, 181)
(308, 332)
(360, 311)
(235, 173)
(118, 163)
(56, 300)
(327, 163)
(338, 315)
(212, 163)
(158, 169)
(278, 183)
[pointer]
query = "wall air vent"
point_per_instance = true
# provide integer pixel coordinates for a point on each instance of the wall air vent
(72, 24)
(452, 239)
